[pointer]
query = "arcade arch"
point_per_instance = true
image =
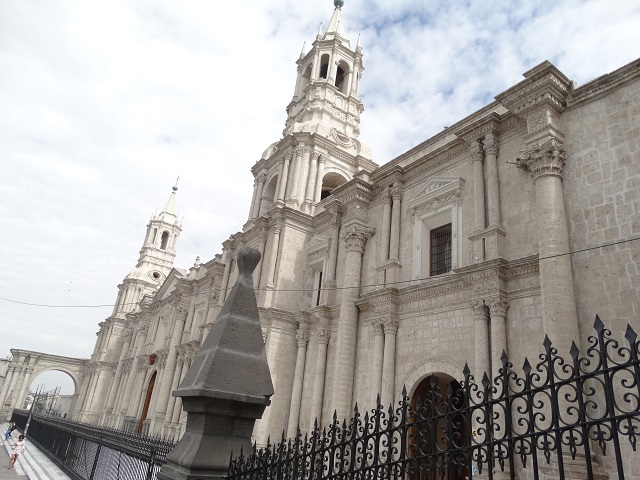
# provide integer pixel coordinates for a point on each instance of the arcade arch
(25, 366)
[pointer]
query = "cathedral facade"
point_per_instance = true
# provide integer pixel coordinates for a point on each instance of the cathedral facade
(520, 220)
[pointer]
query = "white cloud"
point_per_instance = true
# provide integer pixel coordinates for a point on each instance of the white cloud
(104, 104)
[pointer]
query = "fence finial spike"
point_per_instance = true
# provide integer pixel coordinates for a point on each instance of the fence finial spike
(574, 351)
(631, 335)
(547, 342)
(526, 366)
(598, 325)
(504, 358)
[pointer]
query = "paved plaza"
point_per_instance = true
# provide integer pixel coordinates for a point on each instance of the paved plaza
(33, 465)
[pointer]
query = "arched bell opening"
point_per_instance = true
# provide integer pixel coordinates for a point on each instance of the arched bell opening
(438, 435)
(324, 65)
(342, 77)
(329, 182)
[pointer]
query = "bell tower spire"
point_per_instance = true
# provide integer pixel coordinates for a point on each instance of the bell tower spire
(326, 93)
(156, 257)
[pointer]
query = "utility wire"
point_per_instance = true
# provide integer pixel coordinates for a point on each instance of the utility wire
(400, 282)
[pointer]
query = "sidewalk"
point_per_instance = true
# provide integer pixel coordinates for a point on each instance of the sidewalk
(33, 465)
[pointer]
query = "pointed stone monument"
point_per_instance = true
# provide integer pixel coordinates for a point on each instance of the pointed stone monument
(227, 387)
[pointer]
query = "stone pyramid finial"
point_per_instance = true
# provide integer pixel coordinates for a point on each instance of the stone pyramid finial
(232, 362)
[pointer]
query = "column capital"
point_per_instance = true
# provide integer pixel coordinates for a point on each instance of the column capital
(498, 306)
(356, 236)
(396, 192)
(391, 326)
(378, 327)
(543, 160)
(302, 335)
(386, 195)
(490, 144)
(288, 156)
(182, 310)
(475, 150)
(261, 177)
(322, 158)
(479, 309)
(324, 334)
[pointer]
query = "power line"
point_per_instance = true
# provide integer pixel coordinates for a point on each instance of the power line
(399, 282)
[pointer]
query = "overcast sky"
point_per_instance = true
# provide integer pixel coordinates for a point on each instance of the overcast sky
(104, 103)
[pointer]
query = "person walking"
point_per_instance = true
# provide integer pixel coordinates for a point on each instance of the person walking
(12, 427)
(16, 449)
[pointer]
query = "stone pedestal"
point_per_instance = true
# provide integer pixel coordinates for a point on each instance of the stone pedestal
(226, 389)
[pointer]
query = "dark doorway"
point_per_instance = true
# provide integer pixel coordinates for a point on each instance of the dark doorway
(437, 440)
(147, 400)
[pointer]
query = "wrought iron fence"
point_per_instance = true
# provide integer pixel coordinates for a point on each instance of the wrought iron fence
(89, 452)
(555, 418)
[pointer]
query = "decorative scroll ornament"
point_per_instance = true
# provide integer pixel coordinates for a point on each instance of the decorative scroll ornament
(541, 160)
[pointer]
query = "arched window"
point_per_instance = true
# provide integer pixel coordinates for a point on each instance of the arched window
(164, 240)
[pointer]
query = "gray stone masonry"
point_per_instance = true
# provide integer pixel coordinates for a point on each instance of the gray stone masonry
(227, 387)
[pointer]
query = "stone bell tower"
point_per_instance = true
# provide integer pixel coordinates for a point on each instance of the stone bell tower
(320, 149)
(156, 258)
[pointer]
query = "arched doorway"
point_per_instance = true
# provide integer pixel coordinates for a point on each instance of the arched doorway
(437, 440)
(147, 401)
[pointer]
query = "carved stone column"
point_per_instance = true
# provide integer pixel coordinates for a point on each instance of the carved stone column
(498, 314)
(376, 367)
(559, 315)
(322, 161)
(224, 286)
(285, 175)
(479, 222)
(7, 385)
(177, 406)
(255, 209)
(296, 395)
(118, 376)
(271, 270)
(166, 384)
(394, 248)
(389, 364)
(318, 380)
(355, 238)
(292, 200)
(481, 323)
(311, 182)
(493, 191)
(329, 285)
(385, 233)
(174, 384)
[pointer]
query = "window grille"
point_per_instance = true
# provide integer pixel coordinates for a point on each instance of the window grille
(440, 250)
